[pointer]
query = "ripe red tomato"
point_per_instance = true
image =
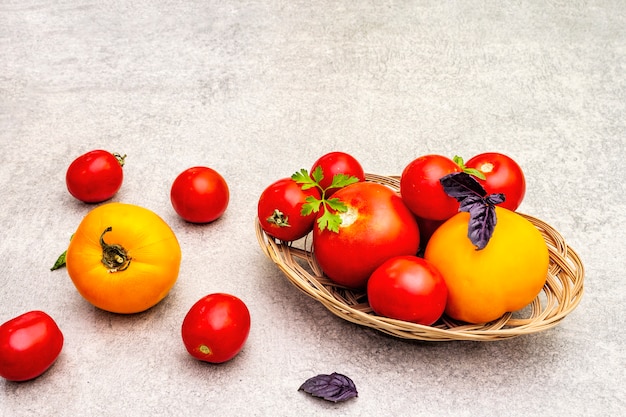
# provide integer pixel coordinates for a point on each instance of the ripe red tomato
(29, 345)
(502, 175)
(427, 228)
(337, 163)
(408, 288)
(421, 190)
(376, 226)
(199, 195)
(279, 210)
(95, 176)
(216, 328)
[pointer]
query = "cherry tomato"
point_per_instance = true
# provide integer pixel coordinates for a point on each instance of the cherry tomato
(502, 175)
(376, 226)
(216, 328)
(95, 176)
(408, 288)
(29, 345)
(337, 163)
(279, 210)
(199, 195)
(421, 190)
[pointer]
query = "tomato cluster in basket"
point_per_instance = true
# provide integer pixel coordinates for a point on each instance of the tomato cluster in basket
(125, 259)
(449, 241)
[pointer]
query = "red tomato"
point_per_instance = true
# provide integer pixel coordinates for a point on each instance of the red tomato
(408, 288)
(376, 227)
(427, 228)
(502, 175)
(279, 210)
(199, 195)
(216, 328)
(29, 345)
(95, 176)
(421, 190)
(337, 163)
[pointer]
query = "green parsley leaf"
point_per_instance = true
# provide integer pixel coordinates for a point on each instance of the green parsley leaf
(312, 205)
(302, 177)
(337, 205)
(329, 219)
(342, 180)
(317, 175)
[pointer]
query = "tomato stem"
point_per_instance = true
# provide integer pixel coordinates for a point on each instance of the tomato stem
(279, 219)
(120, 158)
(114, 256)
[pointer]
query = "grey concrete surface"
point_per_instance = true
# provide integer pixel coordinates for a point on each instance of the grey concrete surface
(259, 89)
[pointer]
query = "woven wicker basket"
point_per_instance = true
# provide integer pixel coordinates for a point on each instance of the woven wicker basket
(560, 295)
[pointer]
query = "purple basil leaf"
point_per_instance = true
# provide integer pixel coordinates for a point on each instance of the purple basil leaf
(334, 387)
(496, 198)
(461, 185)
(481, 224)
(473, 198)
(470, 201)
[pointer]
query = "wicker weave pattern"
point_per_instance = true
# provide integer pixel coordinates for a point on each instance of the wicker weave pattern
(561, 293)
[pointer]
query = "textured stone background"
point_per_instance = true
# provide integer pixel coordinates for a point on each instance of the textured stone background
(259, 89)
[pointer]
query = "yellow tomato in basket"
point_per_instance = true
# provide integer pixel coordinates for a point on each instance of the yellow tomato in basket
(503, 277)
(123, 258)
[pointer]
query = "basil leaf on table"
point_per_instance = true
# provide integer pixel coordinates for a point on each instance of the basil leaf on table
(334, 387)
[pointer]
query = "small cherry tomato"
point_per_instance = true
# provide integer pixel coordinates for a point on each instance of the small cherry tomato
(279, 210)
(337, 163)
(421, 190)
(95, 176)
(375, 227)
(29, 345)
(408, 288)
(502, 175)
(216, 328)
(199, 195)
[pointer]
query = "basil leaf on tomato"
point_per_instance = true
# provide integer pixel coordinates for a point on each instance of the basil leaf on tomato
(473, 199)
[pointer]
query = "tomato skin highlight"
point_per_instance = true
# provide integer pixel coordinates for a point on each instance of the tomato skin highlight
(408, 288)
(29, 345)
(216, 328)
(334, 163)
(376, 227)
(421, 190)
(95, 176)
(199, 195)
(286, 196)
(502, 175)
(503, 277)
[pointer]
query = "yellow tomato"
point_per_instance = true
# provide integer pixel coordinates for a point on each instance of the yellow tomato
(123, 258)
(503, 277)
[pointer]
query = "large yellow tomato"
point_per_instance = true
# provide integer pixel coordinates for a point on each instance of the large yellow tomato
(503, 277)
(123, 258)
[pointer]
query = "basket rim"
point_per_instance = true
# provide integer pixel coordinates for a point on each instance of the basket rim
(559, 296)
